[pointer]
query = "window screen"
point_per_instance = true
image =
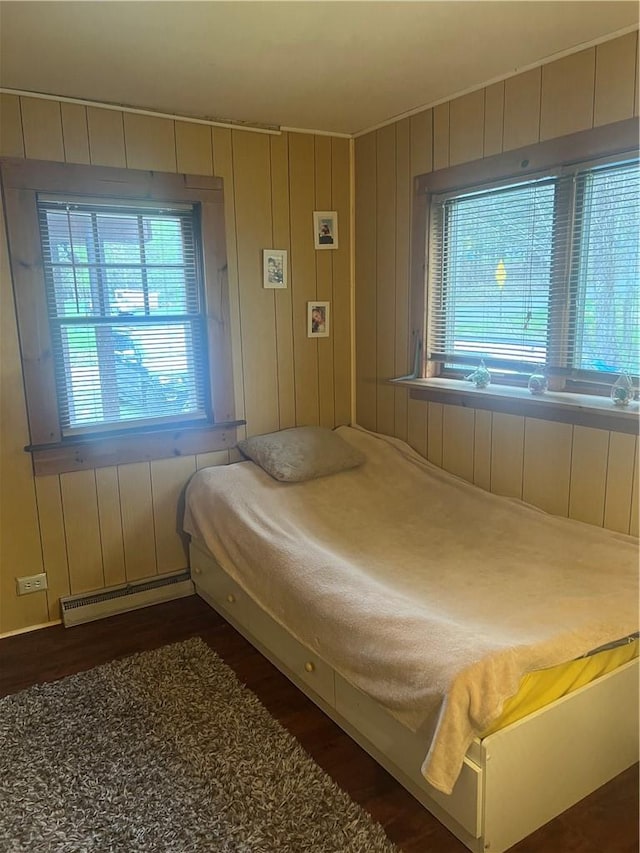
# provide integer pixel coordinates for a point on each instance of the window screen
(125, 309)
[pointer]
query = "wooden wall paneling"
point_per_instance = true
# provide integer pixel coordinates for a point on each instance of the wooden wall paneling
(235, 455)
(55, 561)
(75, 133)
(218, 305)
(466, 128)
(303, 274)
(106, 137)
(283, 302)
(441, 136)
(619, 488)
(635, 489)
(547, 465)
(366, 280)
(385, 279)
(11, 136)
(324, 282)
(341, 261)
(20, 544)
(194, 151)
(421, 153)
(434, 433)
(111, 538)
(417, 425)
(18, 612)
(567, 94)
(404, 186)
(636, 99)
(252, 185)
(482, 449)
(42, 129)
(223, 168)
(208, 460)
(507, 450)
(522, 110)
(82, 530)
(150, 142)
(458, 441)
(493, 118)
(588, 474)
(421, 133)
(169, 478)
(615, 79)
(136, 506)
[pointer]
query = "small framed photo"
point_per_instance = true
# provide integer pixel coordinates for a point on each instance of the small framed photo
(325, 228)
(317, 319)
(274, 268)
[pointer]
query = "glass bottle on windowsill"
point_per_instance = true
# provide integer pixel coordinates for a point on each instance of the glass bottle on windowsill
(538, 382)
(480, 376)
(622, 392)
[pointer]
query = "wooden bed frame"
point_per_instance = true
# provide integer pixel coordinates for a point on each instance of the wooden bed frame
(512, 781)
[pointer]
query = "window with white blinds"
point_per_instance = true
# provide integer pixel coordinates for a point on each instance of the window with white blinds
(125, 306)
(542, 273)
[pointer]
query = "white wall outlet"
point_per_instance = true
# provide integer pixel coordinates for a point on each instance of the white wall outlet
(33, 583)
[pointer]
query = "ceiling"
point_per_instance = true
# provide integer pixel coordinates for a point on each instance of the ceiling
(329, 65)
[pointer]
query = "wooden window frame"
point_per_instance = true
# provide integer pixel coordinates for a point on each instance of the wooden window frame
(22, 181)
(617, 138)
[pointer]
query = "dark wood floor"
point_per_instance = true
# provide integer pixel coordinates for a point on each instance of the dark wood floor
(606, 822)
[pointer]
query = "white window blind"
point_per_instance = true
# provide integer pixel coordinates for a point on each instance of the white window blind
(125, 311)
(542, 273)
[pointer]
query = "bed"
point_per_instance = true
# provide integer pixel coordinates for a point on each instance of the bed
(484, 652)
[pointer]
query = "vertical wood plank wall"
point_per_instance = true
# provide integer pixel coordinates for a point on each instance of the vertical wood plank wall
(98, 528)
(93, 529)
(587, 474)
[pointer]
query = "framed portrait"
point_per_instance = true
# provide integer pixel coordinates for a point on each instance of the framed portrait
(274, 268)
(317, 319)
(325, 229)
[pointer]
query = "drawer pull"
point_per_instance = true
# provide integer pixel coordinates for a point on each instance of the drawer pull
(197, 570)
(309, 666)
(231, 598)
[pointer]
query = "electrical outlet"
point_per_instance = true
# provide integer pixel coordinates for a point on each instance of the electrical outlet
(33, 583)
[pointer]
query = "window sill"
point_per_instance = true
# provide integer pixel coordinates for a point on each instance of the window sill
(580, 409)
(77, 454)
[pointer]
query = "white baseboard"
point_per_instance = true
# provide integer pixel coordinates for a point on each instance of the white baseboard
(78, 609)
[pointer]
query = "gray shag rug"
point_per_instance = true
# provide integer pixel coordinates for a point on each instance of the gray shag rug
(164, 751)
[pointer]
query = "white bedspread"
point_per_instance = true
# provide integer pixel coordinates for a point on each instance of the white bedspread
(427, 593)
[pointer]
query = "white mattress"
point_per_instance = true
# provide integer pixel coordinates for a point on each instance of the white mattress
(429, 594)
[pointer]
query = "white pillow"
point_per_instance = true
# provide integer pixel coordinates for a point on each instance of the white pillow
(301, 453)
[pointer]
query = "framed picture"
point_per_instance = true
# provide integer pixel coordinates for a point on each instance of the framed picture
(325, 229)
(274, 268)
(317, 319)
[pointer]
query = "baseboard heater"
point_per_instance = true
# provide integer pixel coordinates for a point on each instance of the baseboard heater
(78, 609)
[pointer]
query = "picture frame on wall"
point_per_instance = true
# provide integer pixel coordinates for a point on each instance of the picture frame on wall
(318, 319)
(325, 229)
(274, 268)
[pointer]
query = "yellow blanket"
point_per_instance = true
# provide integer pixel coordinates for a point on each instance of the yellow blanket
(541, 688)
(429, 594)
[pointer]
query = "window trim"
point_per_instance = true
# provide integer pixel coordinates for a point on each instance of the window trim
(22, 181)
(563, 407)
(619, 138)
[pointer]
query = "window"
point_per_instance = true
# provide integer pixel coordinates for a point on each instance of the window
(120, 281)
(124, 297)
(538, 272)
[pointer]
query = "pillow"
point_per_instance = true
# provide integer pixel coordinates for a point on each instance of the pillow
(301, 453)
